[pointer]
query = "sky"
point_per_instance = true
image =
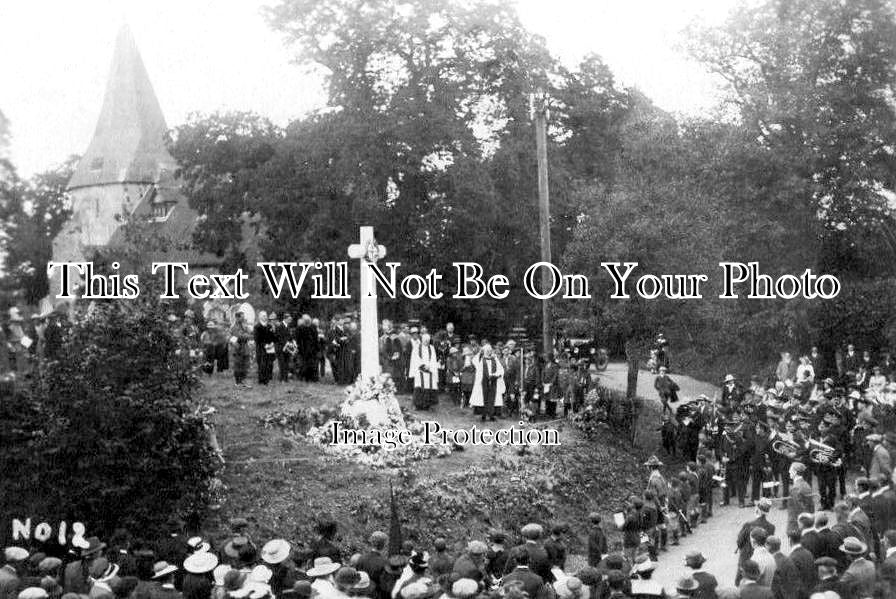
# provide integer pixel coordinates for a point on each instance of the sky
(203, 56)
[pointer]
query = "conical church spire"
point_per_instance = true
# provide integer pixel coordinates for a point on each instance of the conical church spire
(128, 143)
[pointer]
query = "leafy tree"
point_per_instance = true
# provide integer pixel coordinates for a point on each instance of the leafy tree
(35, 215)
(219, 156)
(814, 81)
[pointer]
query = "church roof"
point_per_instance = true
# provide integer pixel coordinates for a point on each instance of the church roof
(173, 223)
(128, 145)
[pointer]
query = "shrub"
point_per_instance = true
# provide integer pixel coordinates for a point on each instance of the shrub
(109, 434)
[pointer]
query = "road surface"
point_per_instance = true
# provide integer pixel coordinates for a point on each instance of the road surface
(715, 539)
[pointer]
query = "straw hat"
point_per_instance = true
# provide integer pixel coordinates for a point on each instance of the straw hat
(201, 562)
(275, 552)
(323, 566)
(160, 569)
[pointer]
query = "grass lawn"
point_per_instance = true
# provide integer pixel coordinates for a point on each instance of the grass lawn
(282, 484)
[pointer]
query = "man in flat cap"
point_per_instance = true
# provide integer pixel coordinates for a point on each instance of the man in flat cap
(539, 562)
(828, 579)
(597, 540)
(472, 563)
(523, 576)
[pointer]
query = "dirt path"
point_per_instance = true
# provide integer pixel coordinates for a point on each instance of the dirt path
(715, 539)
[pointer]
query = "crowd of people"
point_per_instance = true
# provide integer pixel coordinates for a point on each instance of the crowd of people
(494, 377)
(533, 563)
(770, 442)
(775, 441)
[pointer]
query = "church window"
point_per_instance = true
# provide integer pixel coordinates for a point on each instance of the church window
(162, 210)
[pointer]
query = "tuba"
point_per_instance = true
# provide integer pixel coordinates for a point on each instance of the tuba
(787, 446)
(821, 453)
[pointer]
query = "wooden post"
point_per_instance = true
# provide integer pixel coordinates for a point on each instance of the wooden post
(540, 114)
(631, 388)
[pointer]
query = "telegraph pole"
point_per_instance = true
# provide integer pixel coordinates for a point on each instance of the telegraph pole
(538, 108)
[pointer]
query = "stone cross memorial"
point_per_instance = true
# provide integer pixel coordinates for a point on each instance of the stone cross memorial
(368, 252)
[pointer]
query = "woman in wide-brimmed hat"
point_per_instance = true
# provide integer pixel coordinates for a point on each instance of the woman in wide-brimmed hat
(276, 554)
(197, 582)
(321, 574)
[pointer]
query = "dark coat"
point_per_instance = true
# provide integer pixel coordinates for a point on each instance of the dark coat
(374, 564)
(160, 592)
(196, 586)
(787, 583)
(539, 562)
(74, 579)
(708, 585)
(556, 552)
(597, 545)
(753, 590)
(804, 562)
(744, 547)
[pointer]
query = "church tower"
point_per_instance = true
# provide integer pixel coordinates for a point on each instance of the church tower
(126, 169)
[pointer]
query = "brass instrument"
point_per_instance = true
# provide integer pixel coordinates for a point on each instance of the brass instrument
(786, 445)
(821, 453)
